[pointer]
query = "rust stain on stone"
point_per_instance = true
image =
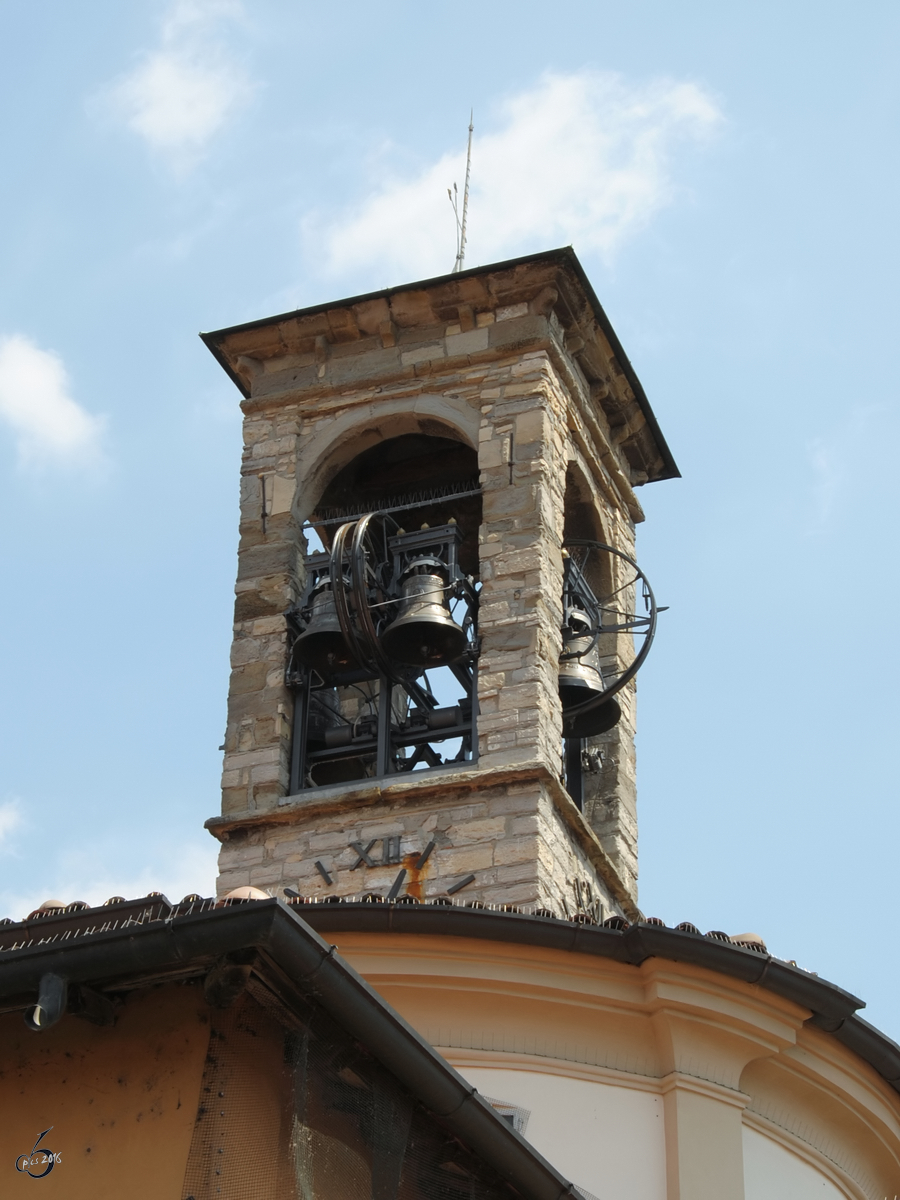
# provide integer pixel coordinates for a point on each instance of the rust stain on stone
(415, 878)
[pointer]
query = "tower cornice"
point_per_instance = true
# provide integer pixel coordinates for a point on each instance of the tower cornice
(552, 282)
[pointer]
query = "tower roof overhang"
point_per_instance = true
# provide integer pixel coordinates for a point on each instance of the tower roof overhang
(552, 281)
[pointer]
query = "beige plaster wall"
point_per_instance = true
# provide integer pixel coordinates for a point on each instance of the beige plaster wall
(774, 1172)
(121, 1101)
(608, 1140)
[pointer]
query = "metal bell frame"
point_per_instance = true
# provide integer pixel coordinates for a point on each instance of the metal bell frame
(364, 571)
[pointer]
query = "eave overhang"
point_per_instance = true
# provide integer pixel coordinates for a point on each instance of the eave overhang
(587, 330)
(147, 943)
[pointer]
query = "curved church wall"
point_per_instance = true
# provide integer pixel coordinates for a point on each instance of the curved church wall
(664, 1081)
(608, 1139)
(773, 1172)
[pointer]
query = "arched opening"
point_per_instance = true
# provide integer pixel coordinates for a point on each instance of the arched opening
(384, 636)
(581, 520)
(418, 478)
(589, 657)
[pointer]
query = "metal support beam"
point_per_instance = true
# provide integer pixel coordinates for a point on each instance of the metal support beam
(299, 738)
(385, 696)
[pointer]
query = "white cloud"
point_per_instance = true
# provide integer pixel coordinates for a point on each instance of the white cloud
(194, 15)
(181, 93)
(48, 425)
(10, 820)
(583, 158)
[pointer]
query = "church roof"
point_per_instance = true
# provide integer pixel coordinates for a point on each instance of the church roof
(88, 956)
(153, 940)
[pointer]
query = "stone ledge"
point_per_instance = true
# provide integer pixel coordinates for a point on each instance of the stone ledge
(340, 798)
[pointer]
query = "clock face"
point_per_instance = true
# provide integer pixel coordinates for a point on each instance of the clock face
(386, 851)
(373, 854)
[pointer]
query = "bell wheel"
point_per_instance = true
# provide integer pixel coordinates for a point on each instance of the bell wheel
(609, 623)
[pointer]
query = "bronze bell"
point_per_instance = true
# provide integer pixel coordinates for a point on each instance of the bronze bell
(321, 645)
(338, 770)
(424, 633)
(580, 679)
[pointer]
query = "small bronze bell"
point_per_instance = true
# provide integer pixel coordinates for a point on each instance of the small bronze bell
(322, 645)
(340, 770)
(424, 633)
(581, 679)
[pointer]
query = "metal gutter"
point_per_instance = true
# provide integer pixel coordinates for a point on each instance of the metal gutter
(565, 255)
(361, 1011)
(872, 1046)
(185, 943)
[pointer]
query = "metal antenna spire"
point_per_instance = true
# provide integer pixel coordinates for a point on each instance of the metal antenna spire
(461, 224)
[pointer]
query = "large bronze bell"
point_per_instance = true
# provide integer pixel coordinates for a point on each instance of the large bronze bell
(424, 633)
(580, 679)
(321, 645)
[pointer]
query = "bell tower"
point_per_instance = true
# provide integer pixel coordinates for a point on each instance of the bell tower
(438, 614)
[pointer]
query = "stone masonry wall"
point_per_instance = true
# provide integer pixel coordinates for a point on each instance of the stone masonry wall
(511, 837)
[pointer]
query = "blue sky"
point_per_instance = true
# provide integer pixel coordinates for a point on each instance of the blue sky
(728, 175)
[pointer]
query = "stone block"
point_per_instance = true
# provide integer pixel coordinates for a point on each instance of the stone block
(470, 832)
(465, 860)
(472, 342)
(525, 893)
(419, 354)
(509, 311)
(245, 650)
(266, 773)
(523, 849)
(520, 800)
(228, 880)
(530, 427)
(334, 840)
(252, 758)
(287, 847)
(267, 873)
(530, 825)
(245, 856)
(251, 677)
(471, 812)
(234, 800)
(493, 452)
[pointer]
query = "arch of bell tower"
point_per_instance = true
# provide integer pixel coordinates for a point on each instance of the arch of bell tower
(332, 445)
(519, 362)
